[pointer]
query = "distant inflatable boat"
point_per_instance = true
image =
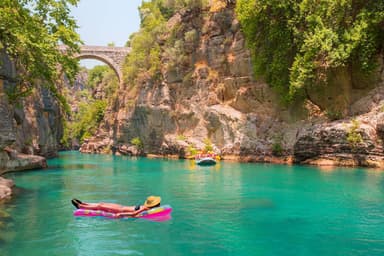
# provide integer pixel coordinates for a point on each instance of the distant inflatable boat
(158, 213)
(205, 161)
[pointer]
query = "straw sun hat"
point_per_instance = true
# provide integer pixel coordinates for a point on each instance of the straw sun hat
(152, 201)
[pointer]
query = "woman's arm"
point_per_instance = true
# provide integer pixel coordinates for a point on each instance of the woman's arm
(132, 214)
(124, 214)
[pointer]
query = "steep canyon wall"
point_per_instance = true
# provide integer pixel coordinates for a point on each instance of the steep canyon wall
(207, 90)
(30, 127)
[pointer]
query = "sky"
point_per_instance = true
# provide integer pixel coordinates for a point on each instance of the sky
(102, 22)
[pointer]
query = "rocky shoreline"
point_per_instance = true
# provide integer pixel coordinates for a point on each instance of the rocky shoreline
(350, 142)
(12, 161)
(6, 186)
(19, 162)
(15, 161)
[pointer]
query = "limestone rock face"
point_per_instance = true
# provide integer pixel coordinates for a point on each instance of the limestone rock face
(332, 143)
(30, 127)
(98, 145)
(7, 132)
(18, 162)
(38, 125)
(211, 95)
(7, 135)
(335, 143)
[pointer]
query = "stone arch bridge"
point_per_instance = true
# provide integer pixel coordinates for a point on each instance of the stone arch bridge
(110, 55)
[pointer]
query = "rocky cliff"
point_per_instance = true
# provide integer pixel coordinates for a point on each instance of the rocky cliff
(210, 93)
(353, 141)
(207, 91)
(30, 127)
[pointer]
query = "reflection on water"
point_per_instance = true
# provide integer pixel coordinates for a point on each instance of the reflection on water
(72, 167)
(226, 209)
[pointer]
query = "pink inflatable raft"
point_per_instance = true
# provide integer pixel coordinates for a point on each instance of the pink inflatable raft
(160, 213)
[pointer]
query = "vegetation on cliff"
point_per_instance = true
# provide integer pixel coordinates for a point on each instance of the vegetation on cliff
(89, 103)
(295, 44)
(30, 32)
(145, 57)
(85, 121)
(145, 54)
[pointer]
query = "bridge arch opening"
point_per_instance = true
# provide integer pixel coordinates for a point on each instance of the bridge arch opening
(104, 59)
(112, 56)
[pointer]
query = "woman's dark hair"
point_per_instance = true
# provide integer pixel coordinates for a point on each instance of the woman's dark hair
(156, 205)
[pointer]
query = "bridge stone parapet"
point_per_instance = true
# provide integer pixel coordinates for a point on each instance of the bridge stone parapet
(111, 55)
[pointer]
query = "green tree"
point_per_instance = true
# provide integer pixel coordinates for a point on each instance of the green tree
(208, 145)
(30, 33)
(96, 75)
(137, 142)
(86, 121)
(354, 137)
(295, 44)
(145, 56)
(145, 53)
(192, 151)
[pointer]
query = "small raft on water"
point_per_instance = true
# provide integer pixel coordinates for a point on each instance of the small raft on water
(205, 161)
(158, 213)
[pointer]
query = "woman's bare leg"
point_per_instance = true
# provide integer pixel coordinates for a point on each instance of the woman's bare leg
(107, 207)
(90, 206)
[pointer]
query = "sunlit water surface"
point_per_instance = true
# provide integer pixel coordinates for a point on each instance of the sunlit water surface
(227, 209)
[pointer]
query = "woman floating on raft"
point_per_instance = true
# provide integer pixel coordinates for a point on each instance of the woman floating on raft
(117, 209)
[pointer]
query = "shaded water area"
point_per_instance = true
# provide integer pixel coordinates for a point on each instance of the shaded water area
(227, 209)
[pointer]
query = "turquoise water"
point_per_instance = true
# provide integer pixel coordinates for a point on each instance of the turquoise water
(227, 209)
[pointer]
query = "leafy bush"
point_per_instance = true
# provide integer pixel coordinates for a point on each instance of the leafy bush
(208, 145)
(181, 137)
(137, 142)
(192, 151)
(353, 136)
(277, 149)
